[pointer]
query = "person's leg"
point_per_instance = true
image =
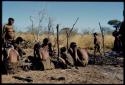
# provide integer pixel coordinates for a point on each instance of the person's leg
(21, 52)
(99, 49)
(95, 51)
(123, 46)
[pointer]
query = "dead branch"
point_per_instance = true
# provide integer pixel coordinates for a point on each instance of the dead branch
(102, 38)
(68, 33)
(32, 27)
(73, 26)
(57, 27)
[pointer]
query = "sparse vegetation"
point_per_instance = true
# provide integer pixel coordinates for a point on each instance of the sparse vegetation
(83, 41)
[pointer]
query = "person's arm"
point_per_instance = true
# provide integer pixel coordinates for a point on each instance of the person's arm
(121, 30)
(3, 33)
(4, 29)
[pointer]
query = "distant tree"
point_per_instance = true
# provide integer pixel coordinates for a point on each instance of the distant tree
(67, 29)
(63, 30)
(32, 30)
(40, 28)
(50, 26)
(36, 30)
(107, 30)
(42, 15)
(86, 31)
(115, 23)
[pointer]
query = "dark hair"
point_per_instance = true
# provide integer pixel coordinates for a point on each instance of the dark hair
(10, 19)
(95, 33)
(63, 49)
(19, 39)
(45, 41)
(73, 44)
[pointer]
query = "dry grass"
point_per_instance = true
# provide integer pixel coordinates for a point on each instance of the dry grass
(84, 41)
(91, 74)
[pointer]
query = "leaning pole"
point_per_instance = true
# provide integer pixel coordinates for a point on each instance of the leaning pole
(102, 38)
(57, 27)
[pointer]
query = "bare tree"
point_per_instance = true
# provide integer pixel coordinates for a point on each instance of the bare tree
(36, 30)
(50, 26)
(68, 33)
(102, 33)
(32, 27)
(41, 16)
(87, 31)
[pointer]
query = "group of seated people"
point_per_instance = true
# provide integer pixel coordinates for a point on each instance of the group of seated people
(67, 58)
(44, 56)
(11, 47)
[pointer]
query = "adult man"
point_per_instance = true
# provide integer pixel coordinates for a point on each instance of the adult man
(121, 31)
(117, 43)
(10, 54)
(122, 34)
(43, 58)
(66, 58)
(7, 26)
(77, 54)
(97, 43)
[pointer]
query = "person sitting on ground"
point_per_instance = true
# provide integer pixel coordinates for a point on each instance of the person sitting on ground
(73, 50)
(43, 57)
(18, 47)
(45, 49)
(66, 58)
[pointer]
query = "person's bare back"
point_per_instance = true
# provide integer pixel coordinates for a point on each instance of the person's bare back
(13, 56)
(97, 40)
(44, 54)
(84, 55)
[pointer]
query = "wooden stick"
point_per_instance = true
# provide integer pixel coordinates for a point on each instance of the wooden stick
(67, 39)
(102, 38)
(68, 33)
(73, 26)
(57, 27)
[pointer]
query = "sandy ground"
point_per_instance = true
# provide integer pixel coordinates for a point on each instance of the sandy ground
(91, 74)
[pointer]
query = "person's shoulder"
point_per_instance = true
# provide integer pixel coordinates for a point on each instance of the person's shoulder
(5, 25)
(98, 37)
(123, 23)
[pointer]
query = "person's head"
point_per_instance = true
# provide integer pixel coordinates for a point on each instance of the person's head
(45, 41)
(73, 45)
(19, 40)
(10, 21)
(63, 49)
(95, 34)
